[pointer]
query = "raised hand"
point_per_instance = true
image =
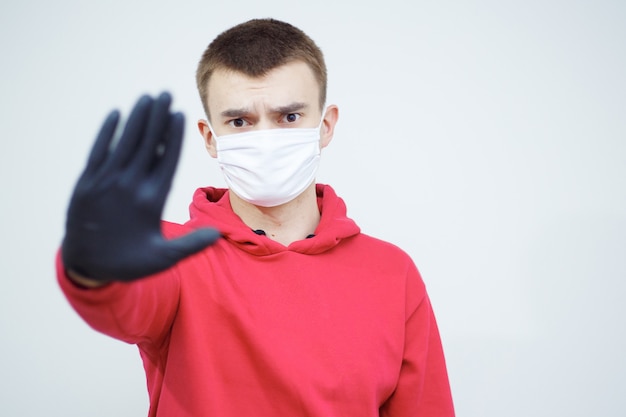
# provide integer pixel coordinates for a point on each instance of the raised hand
(113, 228)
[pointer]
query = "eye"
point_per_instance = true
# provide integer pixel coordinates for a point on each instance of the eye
(237, 123)
(291, 117)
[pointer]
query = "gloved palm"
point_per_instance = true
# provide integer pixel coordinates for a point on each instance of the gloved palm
(113, 229)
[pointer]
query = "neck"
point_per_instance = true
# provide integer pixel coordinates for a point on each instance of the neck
(286, 223)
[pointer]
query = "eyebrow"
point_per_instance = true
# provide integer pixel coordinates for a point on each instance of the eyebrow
(244, 111)
(235, 112)
(290, 108)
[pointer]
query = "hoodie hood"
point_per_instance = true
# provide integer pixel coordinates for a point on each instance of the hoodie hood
(211, 207)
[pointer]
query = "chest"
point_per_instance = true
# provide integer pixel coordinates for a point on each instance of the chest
(297, 322)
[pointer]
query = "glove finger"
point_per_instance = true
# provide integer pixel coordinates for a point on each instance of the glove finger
(150, 148)
(133, 133)
(101, 147)
(163, 171)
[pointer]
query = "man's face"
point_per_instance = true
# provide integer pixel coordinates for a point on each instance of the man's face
(288, 96)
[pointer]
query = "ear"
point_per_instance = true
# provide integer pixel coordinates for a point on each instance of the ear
(328, 125)
(209, 142)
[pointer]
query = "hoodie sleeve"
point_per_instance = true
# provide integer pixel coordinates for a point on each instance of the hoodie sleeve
(137, 312)
(423, 389)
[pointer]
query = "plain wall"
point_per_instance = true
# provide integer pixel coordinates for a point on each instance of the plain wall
(485, 138)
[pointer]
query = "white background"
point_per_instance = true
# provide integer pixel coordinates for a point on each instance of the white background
(486, 138)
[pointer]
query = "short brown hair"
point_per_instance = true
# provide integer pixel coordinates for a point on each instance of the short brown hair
(256, 47)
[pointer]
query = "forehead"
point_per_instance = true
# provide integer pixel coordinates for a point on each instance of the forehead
(292, 82)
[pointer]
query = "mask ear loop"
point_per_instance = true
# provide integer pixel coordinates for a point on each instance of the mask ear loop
(208, 122)
(319, 126)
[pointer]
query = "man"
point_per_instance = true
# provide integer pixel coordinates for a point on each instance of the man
(289, 310)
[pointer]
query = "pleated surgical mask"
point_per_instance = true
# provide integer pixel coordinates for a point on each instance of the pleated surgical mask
(269, 167)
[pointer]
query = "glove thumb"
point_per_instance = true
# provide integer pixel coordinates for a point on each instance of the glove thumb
(191, 243)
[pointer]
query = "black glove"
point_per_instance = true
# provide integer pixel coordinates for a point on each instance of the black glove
(113, 228)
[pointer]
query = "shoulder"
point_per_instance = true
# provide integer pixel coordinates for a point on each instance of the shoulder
(379, 254)
(379, 247)
(386, 256)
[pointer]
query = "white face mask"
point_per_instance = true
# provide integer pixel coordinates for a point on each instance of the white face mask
(269, 167)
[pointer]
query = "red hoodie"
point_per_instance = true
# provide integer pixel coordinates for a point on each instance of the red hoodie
(338, 324)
